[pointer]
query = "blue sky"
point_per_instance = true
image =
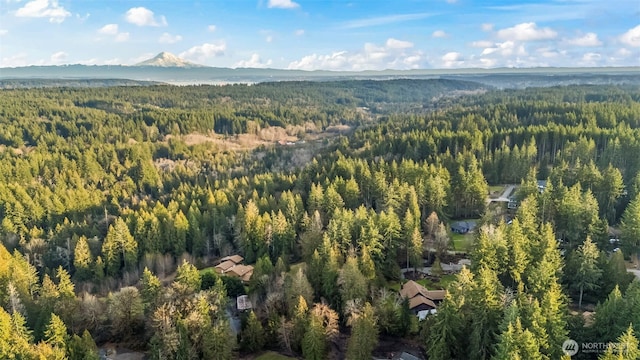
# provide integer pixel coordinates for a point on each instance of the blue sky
(318, 34)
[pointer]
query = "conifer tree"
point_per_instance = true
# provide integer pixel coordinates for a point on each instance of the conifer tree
(252, 337)
(630, 226)
(188, 276)
(314, 341)
(56, 333)
(82, 259)
(150, 289)
(120, 250)
(364, 335)
(587, 273)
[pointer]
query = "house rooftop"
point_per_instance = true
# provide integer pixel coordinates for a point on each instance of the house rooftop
(225, 266)
(247, 276)
(421, 300)
(243, 302)
(237, 259)
(240, 270)
(463, 226)
(419, 295)
(411, 288)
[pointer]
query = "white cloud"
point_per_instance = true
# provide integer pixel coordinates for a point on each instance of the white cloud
(622, 52)
(398, 44)
(84, 18)
(527, 32)
(142, 16)
(439, 34)
(167, 38)
(334, 61)
(548, 53)
(299, 32)
(14, 60)
(95, 61)
(488, 63)
(211, 28)
(112, 30)
(283, 4)
(253, 62)
(394, 54)
(92, 61)
(452, 56)
(268, 39)
(487, 27)
(205, 51)
(452, 59)
(58, 57)
(109, 29)
(122, 37)
(44, 9)
(631, 37)
(505, 49)
(3, 32)
(384, 20)
(588, 40)
(114, 61)
(482, 44)
(590, 59)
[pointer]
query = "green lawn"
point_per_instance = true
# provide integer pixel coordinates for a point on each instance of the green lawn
(444, 282)
(461, 242)
(270, 355)
(209, 269)
(393, 285)
(496, 189)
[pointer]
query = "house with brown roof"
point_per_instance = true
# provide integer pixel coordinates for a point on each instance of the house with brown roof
(421, 300)
(237, 259)
(232, 266)
(224, 266)
(241, 271)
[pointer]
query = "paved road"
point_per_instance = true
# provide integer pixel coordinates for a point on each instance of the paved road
(504, 197)
(636, 272)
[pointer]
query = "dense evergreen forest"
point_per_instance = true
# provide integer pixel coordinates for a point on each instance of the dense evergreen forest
(115, 203)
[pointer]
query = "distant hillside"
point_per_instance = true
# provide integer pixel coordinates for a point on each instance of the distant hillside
(501, 78)
(168, 60)
(72, 83)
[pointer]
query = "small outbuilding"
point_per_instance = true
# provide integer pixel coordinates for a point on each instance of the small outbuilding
(243, 303)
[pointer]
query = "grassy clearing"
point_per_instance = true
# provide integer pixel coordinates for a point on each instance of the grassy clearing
(394, 285)
(208, 269)
(461, 242)
(496, 190)
(444, 282)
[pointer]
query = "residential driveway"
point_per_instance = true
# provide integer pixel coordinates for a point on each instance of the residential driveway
(504, 197)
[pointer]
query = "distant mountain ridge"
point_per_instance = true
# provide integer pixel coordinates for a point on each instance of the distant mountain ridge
(188, 75)
(166, 59)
